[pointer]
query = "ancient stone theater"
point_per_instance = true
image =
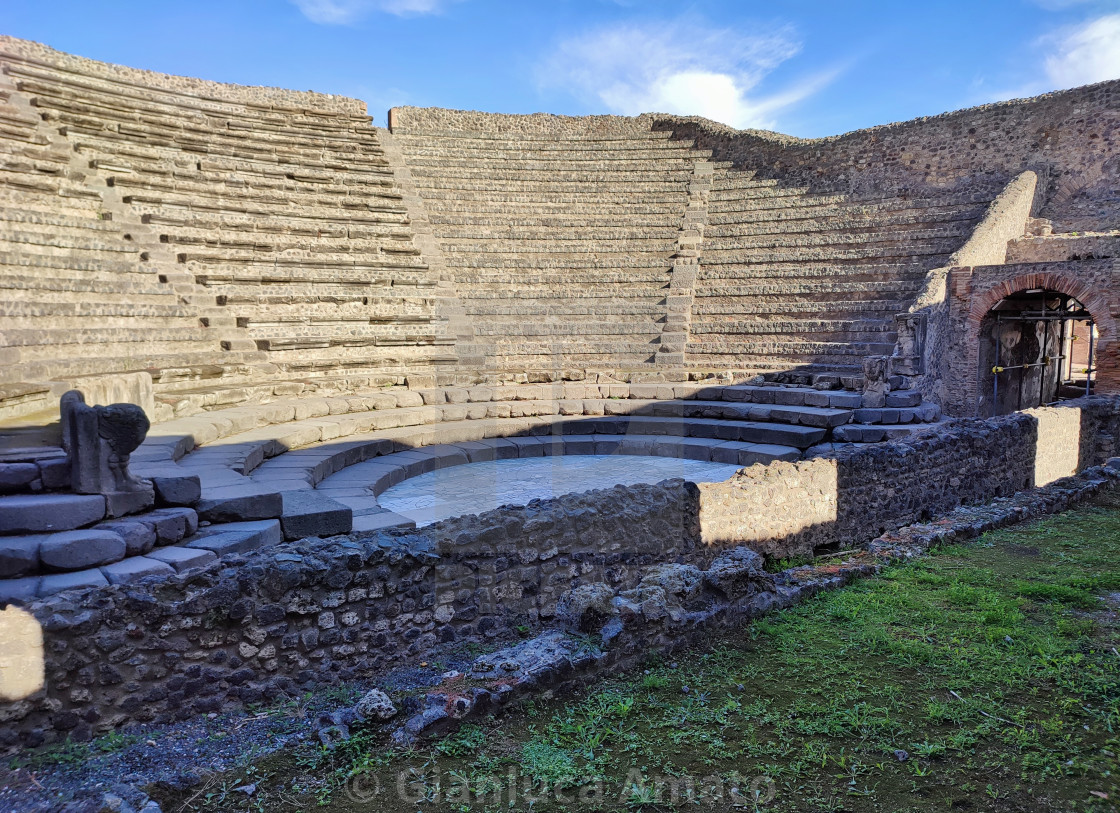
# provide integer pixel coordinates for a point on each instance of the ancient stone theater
(235, 321)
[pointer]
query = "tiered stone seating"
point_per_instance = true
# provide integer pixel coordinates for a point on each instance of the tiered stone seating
(792, 279)
(277, 224)
(560, 242)
(76, 297)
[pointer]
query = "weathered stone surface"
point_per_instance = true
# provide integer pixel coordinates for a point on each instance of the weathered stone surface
(78, 550)
(177, 491)
(375, 705)
(99, 441)
(58, 582)
(22, 513)
(903, 398)
(240, 503)
(183, 559)
(19, 591)
(170, 525)
(19, 555)
(135, 568)
(17, 476)
(307, 513)
(139, 538)
(381, 521)
(238, 537)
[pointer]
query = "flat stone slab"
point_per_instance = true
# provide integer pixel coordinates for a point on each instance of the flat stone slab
(238, 537)
(57, 582)
(307, 513)
(34, 513)
(239, 503)
(78, 550)
(135, 568)
(183, 559)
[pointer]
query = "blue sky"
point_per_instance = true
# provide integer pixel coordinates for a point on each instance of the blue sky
(805, 67)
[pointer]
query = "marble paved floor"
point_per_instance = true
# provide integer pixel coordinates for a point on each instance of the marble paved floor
(476, 487)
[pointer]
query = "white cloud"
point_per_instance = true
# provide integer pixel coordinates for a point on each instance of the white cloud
(346, 12)
(681, 68)
(1084, 54)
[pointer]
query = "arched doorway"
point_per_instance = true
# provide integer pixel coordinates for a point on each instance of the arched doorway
(1037, 347)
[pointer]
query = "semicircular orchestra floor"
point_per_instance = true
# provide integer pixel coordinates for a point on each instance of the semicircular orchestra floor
(475, 487)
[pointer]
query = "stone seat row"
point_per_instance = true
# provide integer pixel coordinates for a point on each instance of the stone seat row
(239, 148)
(84, 82)
(640, 137)
(173, 439)
(903, 268)
(259, 173)
(731, 308)
(309, 225)
(118, 97)
(842, 217)
(813, 287)
(815, 206)
(315, 195)
(171, 131)
(663, 173)
(565, 208)
(554, 161)
(112, 150)
(343, 135)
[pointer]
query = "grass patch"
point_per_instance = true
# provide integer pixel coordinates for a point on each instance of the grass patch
(981, 678)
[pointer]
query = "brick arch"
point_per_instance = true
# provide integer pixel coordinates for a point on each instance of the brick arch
(1093, 300)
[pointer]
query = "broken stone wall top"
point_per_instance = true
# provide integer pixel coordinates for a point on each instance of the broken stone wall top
(269, 98)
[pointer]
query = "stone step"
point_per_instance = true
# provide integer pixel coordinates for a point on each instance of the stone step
(856, 290)
(474, 205)
(577, 195)
(906, 220)
(225, 538)
(138, 360)
(112, 314)
(122, 91)
(12, 240)
(169, 133)
(510, 231)
(919, 232)
(713, 310)
(663, 172)
(306, 513)
(41, 513)
(34, 220)
(394, 243)
(258, 189)
(640, 138)
(848, 209)
(909, 269)
(306, 225)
